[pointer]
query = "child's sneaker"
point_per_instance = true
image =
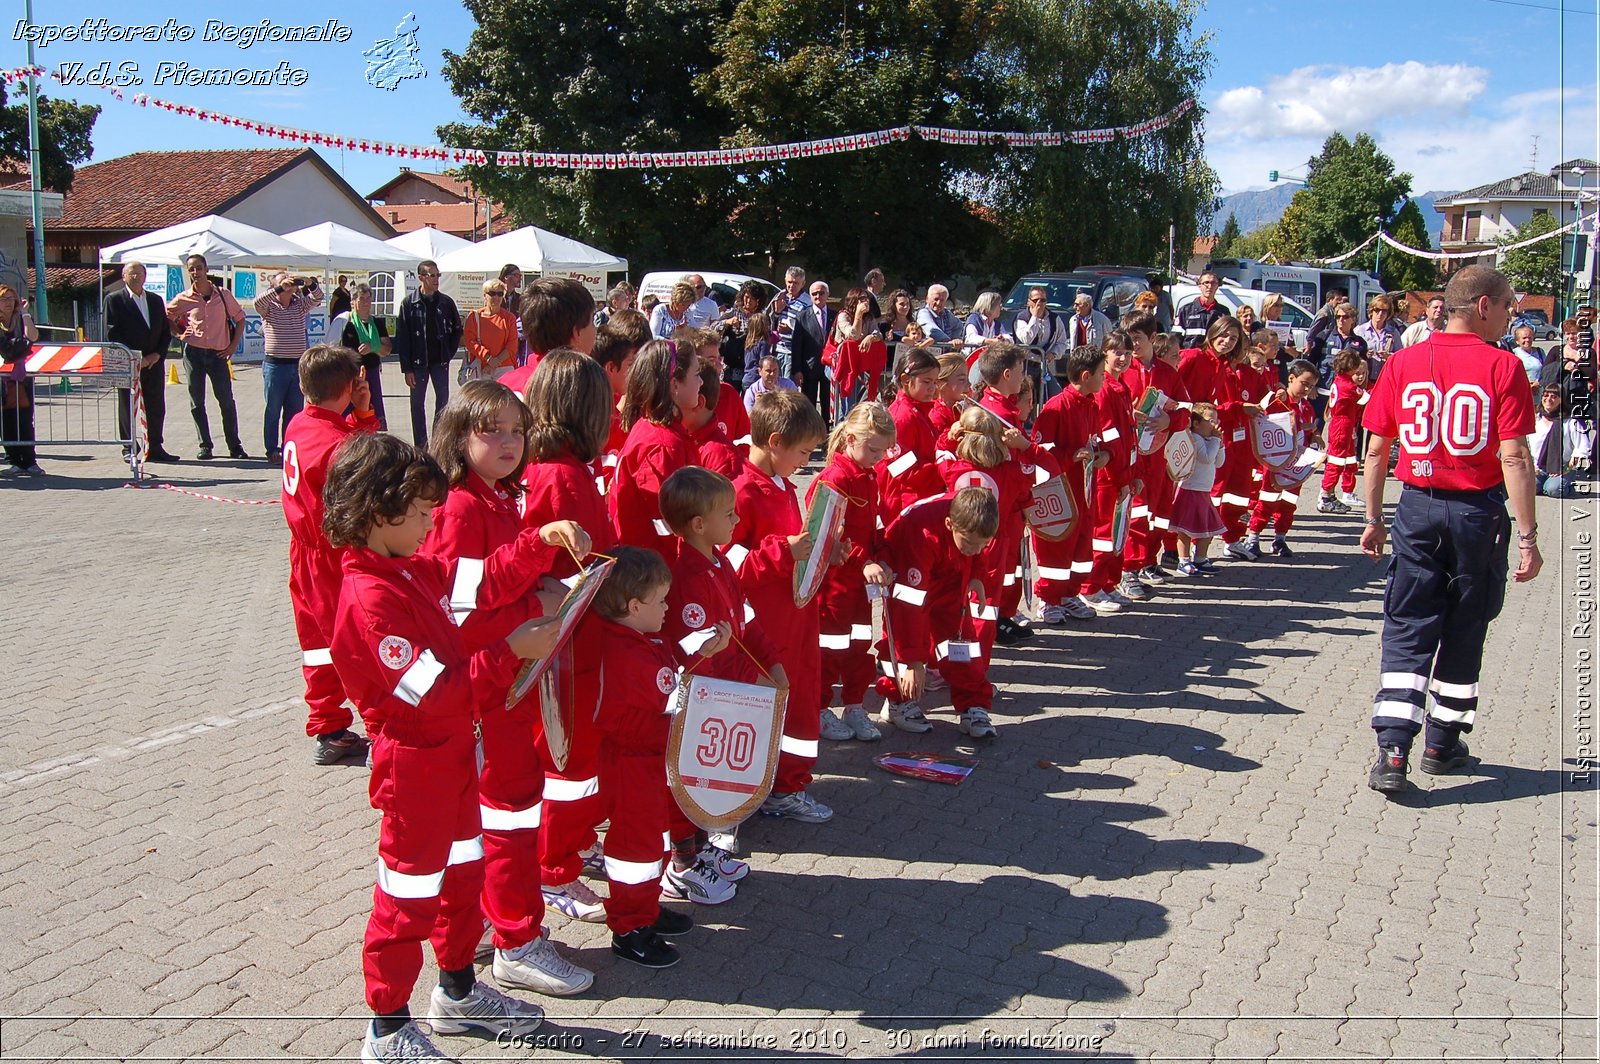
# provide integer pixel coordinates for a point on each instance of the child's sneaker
(727, 866)
(860, 725)
(1168, 557)
(699, 883)
(643, 946)
(726, 841)
(1280, 548)
(1154, 575)
(594, 860)
(1101, 602)
(1187, 569)
(1009, 633)
(1132, 588)
(797, 805)
(485, 1010)
(1327, 504)
(834, 729)
(575, 901)
(907, 716)
(1350, 499)
(338, 746)
(1206, 566)
(1243, 549)
(975, 722)
(406, 1044)
(538, 967)
(670, 923)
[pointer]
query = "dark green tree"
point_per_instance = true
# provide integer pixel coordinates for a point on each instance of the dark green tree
(1537, 268)
(1256, 243)
(1351, 187)
(1288, 239)
(65, 129)
(1227, 240)
(1402, 272)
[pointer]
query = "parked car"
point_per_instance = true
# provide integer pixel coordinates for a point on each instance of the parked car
(1111, 287)
(1295, 317)
(1535, 320)
(719, 286)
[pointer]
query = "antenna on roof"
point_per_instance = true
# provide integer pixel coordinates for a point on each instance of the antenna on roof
(1533, 159)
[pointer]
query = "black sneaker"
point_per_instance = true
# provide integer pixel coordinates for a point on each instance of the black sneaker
(1168, 557)
(671, 923)
(1009, 633)
(1389, 774)
(643, 946)
(205, 454)
(335, 747)
(1280, 549)
(1436, 761)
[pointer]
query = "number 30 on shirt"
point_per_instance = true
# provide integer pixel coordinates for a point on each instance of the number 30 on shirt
(1458, 419)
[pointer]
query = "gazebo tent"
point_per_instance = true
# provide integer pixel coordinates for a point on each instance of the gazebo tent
(338, 247)
(535, 250)
(427, 243)
(223, 241)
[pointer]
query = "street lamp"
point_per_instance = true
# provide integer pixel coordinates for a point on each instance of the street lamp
(1569, 289)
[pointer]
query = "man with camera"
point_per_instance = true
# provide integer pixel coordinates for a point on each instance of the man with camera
(283, 312)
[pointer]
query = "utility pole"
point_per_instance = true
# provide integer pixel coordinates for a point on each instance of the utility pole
(41, 308)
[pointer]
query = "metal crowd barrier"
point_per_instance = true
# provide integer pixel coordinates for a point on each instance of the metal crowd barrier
(73, 392)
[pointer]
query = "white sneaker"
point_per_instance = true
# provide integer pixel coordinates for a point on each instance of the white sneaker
(728, 867)
(860, 725)
(575, 901)
(975, 722)
(1242, 550)
(700, 884)
(833, 729)
(1052, 615)
(726, 841)
(907, 716)
(1100, 602)
(797, 805)
(1350, 499)
(594, 860)
(1133, 588)
(538, 967)
(406, 1044)
(486, 1010)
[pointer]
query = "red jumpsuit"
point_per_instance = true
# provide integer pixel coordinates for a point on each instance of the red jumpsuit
(474, 521)
(731, 418)
(1278, 498)
(853, 361)
(630, 675)
(843, 609)
(907, 473)
(1344, 415)
(1149, 531)
(943, 418)
(716, 453)
(769, 513)
(1012, 490)
(1007, 545)
(651, 455)
(1117, 435)
(563, 488)
(606, 464)
(404, 663)
(314, 574)
(931, 605)
(1065, 425)
(1240, 479)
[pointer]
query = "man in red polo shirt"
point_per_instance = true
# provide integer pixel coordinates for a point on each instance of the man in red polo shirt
(1461, 410)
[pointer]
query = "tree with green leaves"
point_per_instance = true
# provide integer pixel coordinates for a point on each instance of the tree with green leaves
(1351, 189)
(1256, 243)
(1289, 241)
(65, 129)
(1537, 268)
(1406, 273)
(1228, 239)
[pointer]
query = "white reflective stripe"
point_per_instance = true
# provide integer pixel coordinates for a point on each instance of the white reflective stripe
(834, 641)
(1446, 715)
(1351, 460)
(1453, 690)
(736, 556)
(465, 851)
(417, 681)
(1161, 523)
(464, 595)
(1403, 710)
(1111, 435)
(1397, 681)
(661, 528)
(1047, 447)
(312, 658)
(1083, 567)
(742, 441)
(1045, 572)
(632, 872)
(1291, 496)
(983, 613)
(749, 613)
(1230, 499)
(1010, 580)
(1139, 510)
(944, 456)
(861, 631)
(509, 819)
(798, 747)
(401, 885)
(1102, 544)
(899, 466)
(910, 595)
(1269, 496)
(558, 790)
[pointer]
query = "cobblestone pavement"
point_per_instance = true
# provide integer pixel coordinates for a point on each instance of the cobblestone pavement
(1170, 853)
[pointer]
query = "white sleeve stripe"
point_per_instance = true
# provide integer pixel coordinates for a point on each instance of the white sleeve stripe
(899, 466)
(910, 595)
(465, 851)
(313, 658)
(407, 886)
(464, 595)
(417, 681)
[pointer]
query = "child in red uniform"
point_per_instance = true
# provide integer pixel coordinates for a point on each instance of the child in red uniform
(934, 546)
(1069, 425)
(699, 506)
(664, 380)
(405, 666)
(616, 345)
(844, 607)
(556, 312)
(1107, 589)
(1279, 496)
(1344, 414)
(631, 676)
(717, 453)
(569, 404)
(953, 389)
(908, 472)
(481, 443)
(330, 385)
(767, 544)
(1253, 382)
(1141, 555)
(728, 413)
(1003, 368)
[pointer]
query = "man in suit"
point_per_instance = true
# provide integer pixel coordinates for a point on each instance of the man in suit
(138, 320)
(811, 325)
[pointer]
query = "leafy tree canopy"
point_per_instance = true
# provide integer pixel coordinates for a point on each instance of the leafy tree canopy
(1402, 272)
(64, 137)
(1351, 188)
(1228, 239)
(1537, 268)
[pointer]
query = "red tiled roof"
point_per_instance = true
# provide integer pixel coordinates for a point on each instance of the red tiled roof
(455, 186)
(59, 278)
(1204, 245)
(454, 218)
(151, 189)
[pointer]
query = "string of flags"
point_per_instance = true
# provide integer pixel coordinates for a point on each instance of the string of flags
(732, 156)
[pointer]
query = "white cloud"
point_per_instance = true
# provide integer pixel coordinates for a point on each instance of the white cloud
(1313, 101)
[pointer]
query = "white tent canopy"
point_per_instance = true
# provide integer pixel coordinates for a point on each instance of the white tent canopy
(223, 242)
(427, 243)
(533, 249)
(338, 247)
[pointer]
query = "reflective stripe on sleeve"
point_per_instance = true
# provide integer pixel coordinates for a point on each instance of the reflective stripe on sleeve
(900, 465)
(983, 613)
(558, 790)
(401, 885)
(798, 747)
(417, 681)
(909, 595)
(313, 658)
(508, 819)
(464, 595)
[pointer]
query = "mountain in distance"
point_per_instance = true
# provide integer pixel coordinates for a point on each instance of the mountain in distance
(1255, 208)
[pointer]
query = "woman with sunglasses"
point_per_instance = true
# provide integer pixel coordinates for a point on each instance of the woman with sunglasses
(491, 335)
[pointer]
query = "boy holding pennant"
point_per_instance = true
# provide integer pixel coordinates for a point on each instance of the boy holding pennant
(1069, 425)
(1115, 484)
(1160, 411)
(1003, 368)
(1283, 471)
(768, 543)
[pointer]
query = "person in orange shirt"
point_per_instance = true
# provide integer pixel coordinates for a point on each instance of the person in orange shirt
(491, 335)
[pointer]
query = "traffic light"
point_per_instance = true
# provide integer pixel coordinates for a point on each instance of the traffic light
(1272, 175)
(1574, 247)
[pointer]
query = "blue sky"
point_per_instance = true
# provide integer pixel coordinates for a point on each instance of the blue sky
(1453, 89)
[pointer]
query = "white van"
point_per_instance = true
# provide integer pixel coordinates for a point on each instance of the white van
(719, 286)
